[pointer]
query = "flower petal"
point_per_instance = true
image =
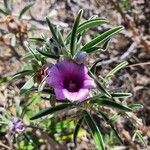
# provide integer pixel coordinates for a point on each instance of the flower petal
(81, 95)
(59, 94)
(53, 70)
(55, 77)
(89, 84)
(56, 82)
(69, 67)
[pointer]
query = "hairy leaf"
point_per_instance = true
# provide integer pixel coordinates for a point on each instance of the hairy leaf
(24, 10)
(51, 110)
(102, 37)
(95, 131)
(74, 33)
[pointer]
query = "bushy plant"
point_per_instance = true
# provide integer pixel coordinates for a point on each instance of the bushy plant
(59, 73)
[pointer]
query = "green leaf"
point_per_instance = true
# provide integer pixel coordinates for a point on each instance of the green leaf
(102, 37)
(62, 43)
(117, 68)
(29, 56)
(110, 123)
(3, 12)
(89, 24)
(76, 131)
(99, 86)
(22, 73)
(111, 104)
(27, 138)
(45, 91)
(74, 33)
(8, 6)
(32, 51)
(7, 3)
(93, 49)
(121, 95)
(24, 10)
(105, 45)
(93, 67)
(97, 48)
(3, 80)
(135, 106)
(33, 100)
(47, 54)
(60, 38)
(37, 40)
(52, 30)
(140, 137)
(95, 131)
(51, 110)
(114, 118)
(28, 85)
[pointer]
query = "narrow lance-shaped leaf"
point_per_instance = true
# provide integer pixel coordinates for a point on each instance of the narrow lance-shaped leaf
(28, 85)
(93, 49)
(74, 33)
(140, 137)
(7, 3)
(22, 73)
(51, 110)
(47, 54)
(33, 101)
(111, 104)
(114, 118)
(89, 24)
(95, 131)
(106, 44)
(61, 40)
(93, 67)
(77, 128)
(117, 68)
(31, 50)
(135, 106)
(33, 89)
(99, 86)
(3, 12)
(118, 95)
(112, 126)
(102, 37)
(98, 48)
(24, 10)
(121, 95)
(37, 40)
(52, 30)
(29, 140)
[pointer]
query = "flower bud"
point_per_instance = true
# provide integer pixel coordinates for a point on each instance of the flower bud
(16, 125)
(81, 57)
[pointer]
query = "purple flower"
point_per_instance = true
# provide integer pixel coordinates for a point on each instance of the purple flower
(70, 80)
(16, 126)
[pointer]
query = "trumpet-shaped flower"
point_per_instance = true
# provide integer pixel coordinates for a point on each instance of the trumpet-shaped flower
(70, 81)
